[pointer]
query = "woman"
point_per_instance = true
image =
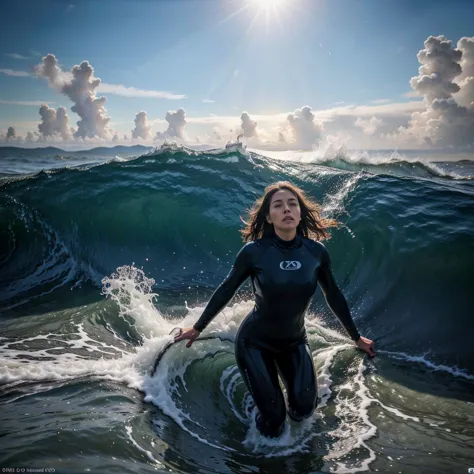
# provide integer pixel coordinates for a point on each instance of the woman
(285, 266)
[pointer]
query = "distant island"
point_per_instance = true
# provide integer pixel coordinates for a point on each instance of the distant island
(102, 150)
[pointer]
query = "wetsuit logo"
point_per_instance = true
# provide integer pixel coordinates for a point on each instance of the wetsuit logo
(290, 265)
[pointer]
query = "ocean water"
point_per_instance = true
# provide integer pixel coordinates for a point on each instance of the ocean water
(101, 256)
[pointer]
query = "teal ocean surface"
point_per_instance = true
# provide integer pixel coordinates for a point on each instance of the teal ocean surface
(102, 255)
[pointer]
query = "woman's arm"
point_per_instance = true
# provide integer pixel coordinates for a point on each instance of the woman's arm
(226, 290)
(334, 297)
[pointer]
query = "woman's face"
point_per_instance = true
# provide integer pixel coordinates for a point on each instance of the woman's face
(285, 211)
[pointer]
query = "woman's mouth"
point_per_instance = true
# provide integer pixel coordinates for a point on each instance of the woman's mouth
(287, 219)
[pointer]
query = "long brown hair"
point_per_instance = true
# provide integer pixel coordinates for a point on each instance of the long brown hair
(312, 225)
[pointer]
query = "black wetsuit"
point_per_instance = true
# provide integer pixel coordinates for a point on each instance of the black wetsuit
(272, 338)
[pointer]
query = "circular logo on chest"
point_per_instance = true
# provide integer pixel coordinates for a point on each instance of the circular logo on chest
(290, 265)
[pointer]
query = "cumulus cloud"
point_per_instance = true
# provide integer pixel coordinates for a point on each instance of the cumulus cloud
(305, 130)
(176, 124)
(249, 126)
(369, 126)
(439, 66)
(29, 137)
(445, 81)
(49, 68)
(54, 122)
(142, 129)
(465, 95)
(11, 134)
(80, 86)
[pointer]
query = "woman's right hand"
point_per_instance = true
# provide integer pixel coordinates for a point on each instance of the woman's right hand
(366, 345)
(188, 333)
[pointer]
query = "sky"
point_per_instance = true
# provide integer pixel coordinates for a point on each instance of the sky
(286, 74)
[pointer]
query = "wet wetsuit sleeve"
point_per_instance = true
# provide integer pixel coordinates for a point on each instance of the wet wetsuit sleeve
(334, 297)
(226, 290)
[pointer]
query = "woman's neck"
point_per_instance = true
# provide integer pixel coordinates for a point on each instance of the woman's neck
(288, 236)
(283, 244)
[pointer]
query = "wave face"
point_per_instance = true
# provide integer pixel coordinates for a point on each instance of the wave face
(404, 258)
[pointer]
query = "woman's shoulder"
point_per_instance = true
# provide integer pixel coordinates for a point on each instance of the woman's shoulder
(253, 249)
(317, 248)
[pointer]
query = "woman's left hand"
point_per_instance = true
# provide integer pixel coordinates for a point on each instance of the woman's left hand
(366, 345)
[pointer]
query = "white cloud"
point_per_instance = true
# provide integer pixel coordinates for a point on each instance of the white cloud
(305, 130)
(381, 101)
(16, 56)
(465, 95)
(228, 120)
(207, 101)
(121, 90)
(24, 102)
(80, 86)
(11, 133)
(439, 66)
(11, 137)
(368, 126)
(176, 124)
(50, 68)
(54, 123)
(446, 82)
(394, 109)
(13, 72)
(249, 126)
(142, 129)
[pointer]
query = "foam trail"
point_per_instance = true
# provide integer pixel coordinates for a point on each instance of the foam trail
(455, 371)
(148, 453)
(324, 377)
(354, 430)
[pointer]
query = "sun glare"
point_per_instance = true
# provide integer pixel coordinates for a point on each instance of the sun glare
(268, 5)
(268, 12)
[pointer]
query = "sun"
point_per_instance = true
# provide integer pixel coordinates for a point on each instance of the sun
(267, 12)
(268, 5)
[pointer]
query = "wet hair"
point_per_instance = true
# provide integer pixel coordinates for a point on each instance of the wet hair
(312, 225)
